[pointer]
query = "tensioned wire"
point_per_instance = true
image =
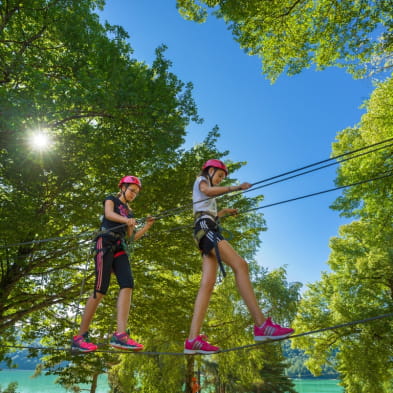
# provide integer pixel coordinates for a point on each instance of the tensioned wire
(316, 169)
(238, 348)
(382, 175)
(251, 346)
(178, 210)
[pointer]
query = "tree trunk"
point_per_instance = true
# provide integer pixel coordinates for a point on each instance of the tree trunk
(93, 387)
(189, 373)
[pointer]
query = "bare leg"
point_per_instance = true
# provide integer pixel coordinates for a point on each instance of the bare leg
(123, 309)
(243, 282)
(90, 309)
(209, 272)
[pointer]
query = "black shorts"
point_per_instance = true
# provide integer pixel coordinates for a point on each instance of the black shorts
(206, 234)
(111, 257)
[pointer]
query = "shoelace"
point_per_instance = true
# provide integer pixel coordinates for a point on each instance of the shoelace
(125, 338)
(80, 341)
(86, 339)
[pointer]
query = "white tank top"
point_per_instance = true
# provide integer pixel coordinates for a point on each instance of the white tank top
(201, 202)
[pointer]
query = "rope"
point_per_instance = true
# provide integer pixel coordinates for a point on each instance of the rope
(339, 326)
(242, 347)
(262, 207)
(166, 213)
(285, 201)
(174, 211)
(85, 269)
(313, 170)
(51, 239)
(318, 193)
(183, 227)
(330, 159)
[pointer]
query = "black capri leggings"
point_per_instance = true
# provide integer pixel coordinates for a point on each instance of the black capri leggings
(111, 257)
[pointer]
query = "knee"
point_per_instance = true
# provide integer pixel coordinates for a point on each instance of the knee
(126, 291)
(97, 296)
(241, 267)
(207, 285)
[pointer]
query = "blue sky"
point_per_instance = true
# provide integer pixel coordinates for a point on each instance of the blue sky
(273, 127)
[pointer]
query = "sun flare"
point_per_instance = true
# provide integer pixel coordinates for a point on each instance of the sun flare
(40, 141)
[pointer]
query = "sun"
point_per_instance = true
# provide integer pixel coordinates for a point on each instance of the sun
(40, 140)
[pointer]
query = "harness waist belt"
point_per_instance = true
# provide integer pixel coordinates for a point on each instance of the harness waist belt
(199, 235)
(105, 231)
(199, 215)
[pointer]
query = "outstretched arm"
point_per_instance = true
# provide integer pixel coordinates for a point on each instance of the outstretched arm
(212, 191)
(227, 212)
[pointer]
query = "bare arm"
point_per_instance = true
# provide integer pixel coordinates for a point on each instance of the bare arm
(227, 212)
(145, 228)
(212, 191)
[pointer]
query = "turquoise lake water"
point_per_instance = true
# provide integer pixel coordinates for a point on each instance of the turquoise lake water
(318, 386)
(45, 384)
(41, 384)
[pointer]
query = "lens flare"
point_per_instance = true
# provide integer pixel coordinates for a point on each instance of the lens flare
(40, 141)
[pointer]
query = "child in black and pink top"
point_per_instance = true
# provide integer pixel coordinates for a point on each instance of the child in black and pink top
(111, 256)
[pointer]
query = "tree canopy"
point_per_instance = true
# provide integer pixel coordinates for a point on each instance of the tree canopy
(360, 284)
(106, 114)
(292, 35)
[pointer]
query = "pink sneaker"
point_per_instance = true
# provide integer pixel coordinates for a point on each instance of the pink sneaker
(271, 331)
(81, 343)
(199, 345)
(123, 341)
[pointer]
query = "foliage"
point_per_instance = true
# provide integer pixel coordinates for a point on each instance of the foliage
(361, 282)
(108, 115)
(228, 324)
(262, 368)
(266, 367)
(297, 360)
(11, 388)
(291, 35)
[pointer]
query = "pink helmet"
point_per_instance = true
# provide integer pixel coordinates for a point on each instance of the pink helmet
(130, 180)
(215, 164)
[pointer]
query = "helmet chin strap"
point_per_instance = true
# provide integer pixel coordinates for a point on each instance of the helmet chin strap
(211, 176)
(123, 193)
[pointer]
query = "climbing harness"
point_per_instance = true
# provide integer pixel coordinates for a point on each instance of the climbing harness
(117, 244)
(198, 236)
